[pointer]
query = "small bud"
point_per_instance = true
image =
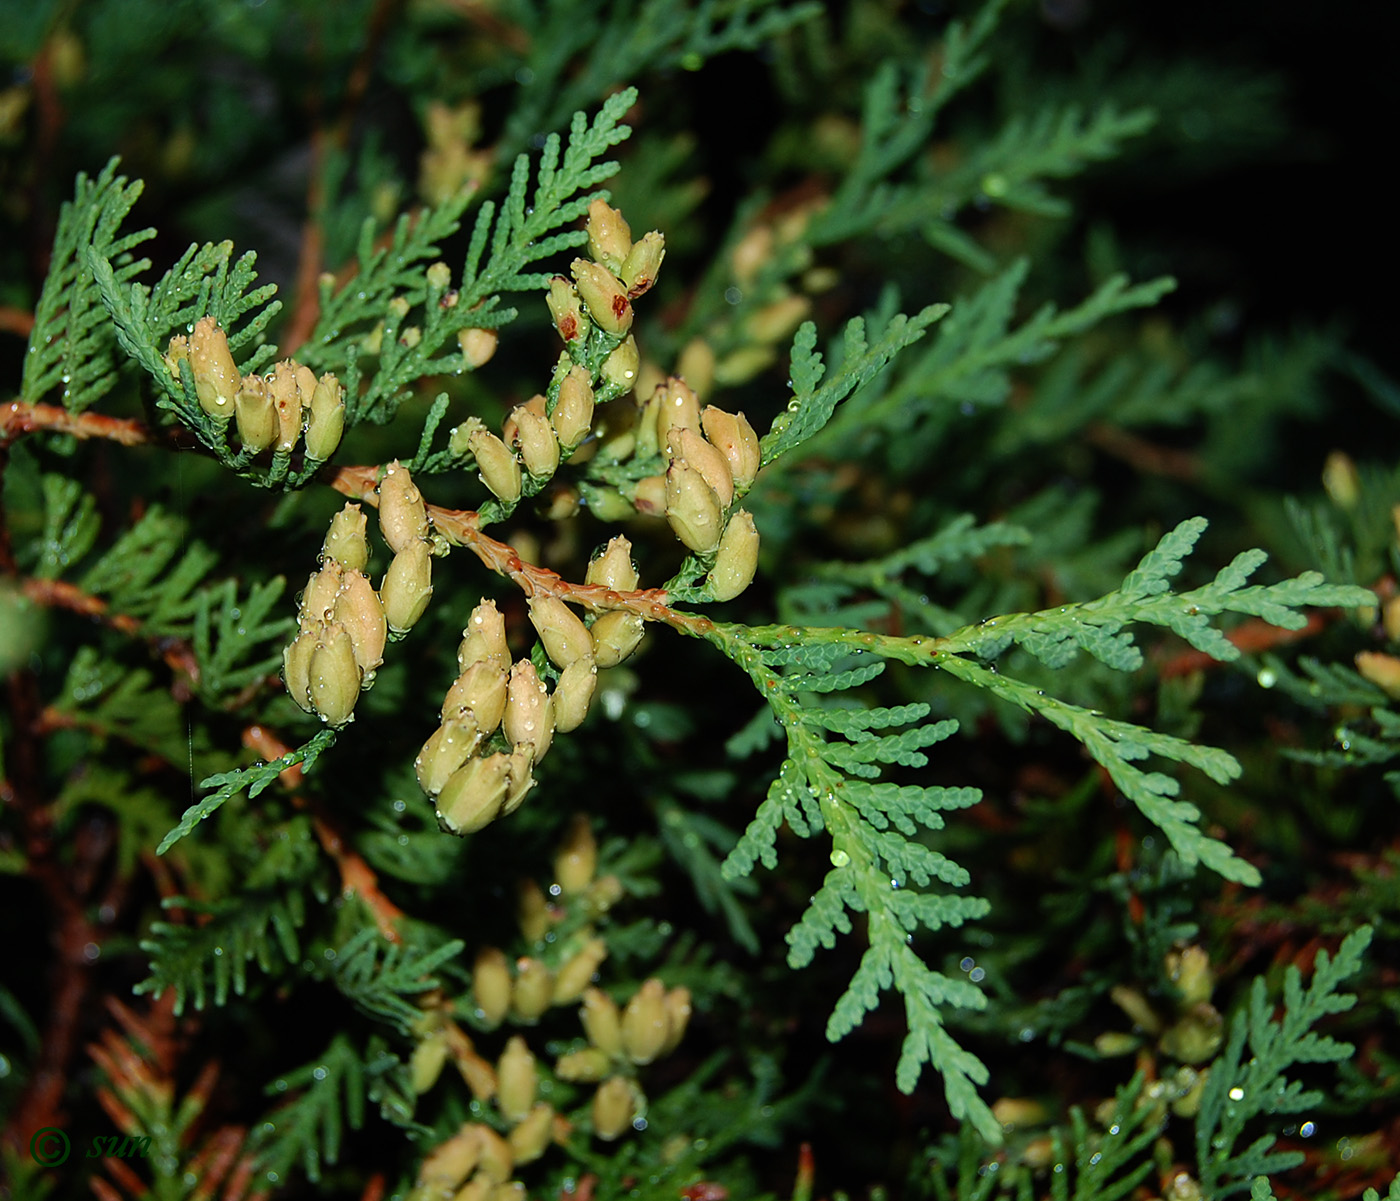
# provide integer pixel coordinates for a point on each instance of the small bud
(750, 253)
(538, 446)
(529, 716)
(776, 322)
(255, 413)
(345, 542)
(573, 410)
(439, 277)
(399, 307)
(697, 366)
(327, 420)
(691, 446)
(529, 1139)
(615, 637)
(459, 439)
(484, 638)
(602, 895)
(517, 1080)
(1135, 1005)
(566, 309)
(740, 366)
(735, 439)
(472, 796)
(644, 1022)
(692, 508)
(620, 368)
(532, 911)
(577, 857)
(534, 984)
(478, 346)
(426, 1064)
(403, 517)
(500, 471)
(296, 668)
(603, 294)
(510, 427)
(497, 1162)
(601, 1021)
(176, 353)
(410, 336)
(737, 557)
(318, 601)
(577, 973)
(561, 630)
(286, 398)
(1340, 479)
(613, 1107)
(451, 1162)
(1113, 1043)
(407, 587)
(574, 693)
(1189, 969)
(481, 692)
(358, 609)
(335, 677)
(613, 568)
(216, 378)
(649, 496)
(1382, 670)
(522, 779)
(1197, 1037)
(643, 264)
(677, 1018)
(609, 238)
(648, 410)
(447, 750)
(678, 408)
(491, 985)
(584, 1066)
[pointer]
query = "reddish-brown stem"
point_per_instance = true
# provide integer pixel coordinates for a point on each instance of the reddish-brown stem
(17, 418)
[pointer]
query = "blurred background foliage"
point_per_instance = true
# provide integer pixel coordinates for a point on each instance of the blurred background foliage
(1243, 161)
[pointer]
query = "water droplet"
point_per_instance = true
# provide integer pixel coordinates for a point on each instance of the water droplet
(839, 858)
(1267, 678)
(1307, 1129)
(1237, 1094)
(318, 1074)
(967, 963)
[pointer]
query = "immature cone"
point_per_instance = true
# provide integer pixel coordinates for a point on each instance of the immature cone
(561, 630)
(697, 366)
(620, 368)
(566, 309)
(692, 507)
(576, 861)
(538, 446)
(649, 496)
(491, 985)
(500, 470)
(484, 638)
(615, 637)
(586, 1066)
(574, 693)
(613, 568)
(425, 1066)
(517, 1080)
(677, 1018)
(529, 1139)
(407, 587)
(691, 446)
(532, 911)
(451, 1162)
(604, 295)
(737, 558)
(477, 345)
(255, 413)
(573, 410)
(318, 601)
(448, 748)
(522, 779)
(326, 422)
(479, 692)
(613, 1107)
(358, 609)
(216, 377)
(286, 398)
(345, 542)
(602, 1022)
(677, 407)
(645, 1023)
(335, 677)
(534, 985)
(497, 1162)
(296, 668)
(609, 238)
(643, 264)
(577, 973)
(735, 439)
(529, 716)
(403, 517)
(472, 796)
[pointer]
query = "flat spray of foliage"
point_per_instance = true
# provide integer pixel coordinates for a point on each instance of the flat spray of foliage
(870, 773)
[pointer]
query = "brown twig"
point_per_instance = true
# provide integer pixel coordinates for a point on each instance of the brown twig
(1253, 638)
(15, 321)
(18, 418)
